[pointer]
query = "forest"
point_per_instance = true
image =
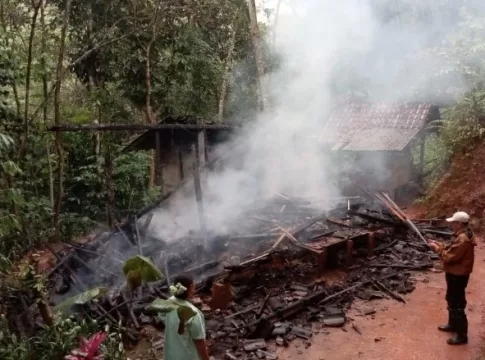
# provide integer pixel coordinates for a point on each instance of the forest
(81, 62)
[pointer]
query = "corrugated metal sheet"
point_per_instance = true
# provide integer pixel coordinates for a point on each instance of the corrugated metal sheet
(376, 140)
(362, 126)
(361, 115)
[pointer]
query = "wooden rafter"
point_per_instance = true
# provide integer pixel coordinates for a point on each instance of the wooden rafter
(137, 127)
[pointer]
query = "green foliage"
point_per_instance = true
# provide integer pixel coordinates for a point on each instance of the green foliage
(131, 176)
(26, 210)
(80, 299)
(184, 313)
(105, 81)
(140, 269)
(30, 279)
(461, 127)
(465, 121)
(6, 143)
(53, 343)
(188, 59)
(85, 200)
(85, 195)
(11, 197)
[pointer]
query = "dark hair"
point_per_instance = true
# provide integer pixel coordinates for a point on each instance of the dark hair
(186, 281)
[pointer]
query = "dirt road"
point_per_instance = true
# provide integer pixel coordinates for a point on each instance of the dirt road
(403, 331)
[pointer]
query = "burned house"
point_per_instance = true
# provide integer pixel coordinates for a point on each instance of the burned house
(182, 139)
(263, 275)
(379, 139)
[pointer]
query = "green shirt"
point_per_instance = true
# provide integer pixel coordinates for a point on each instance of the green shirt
(182, 347)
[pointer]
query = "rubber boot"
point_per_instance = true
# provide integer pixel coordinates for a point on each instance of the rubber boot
(461, 327)
(448, 327)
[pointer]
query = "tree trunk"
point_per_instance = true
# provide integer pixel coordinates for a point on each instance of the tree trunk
(41, 300)
(155, 165)
(97, 145)
(275, 26)
(93, 88)
(258, 53)
(51, 176)
(227, 76)
(45, 312)
(17, 99)
(25, 140)
(57, 120)
(44, 106)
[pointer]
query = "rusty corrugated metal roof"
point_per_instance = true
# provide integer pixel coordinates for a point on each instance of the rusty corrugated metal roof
(376, 140)
(362, 126)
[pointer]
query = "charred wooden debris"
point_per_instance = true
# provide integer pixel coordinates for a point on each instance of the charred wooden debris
(264, 282)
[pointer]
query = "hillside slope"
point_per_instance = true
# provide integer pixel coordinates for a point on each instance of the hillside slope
(462, 187)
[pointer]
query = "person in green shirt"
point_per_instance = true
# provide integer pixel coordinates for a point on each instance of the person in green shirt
(184, 341)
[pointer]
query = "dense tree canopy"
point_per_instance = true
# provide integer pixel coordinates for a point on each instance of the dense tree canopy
(140, 61)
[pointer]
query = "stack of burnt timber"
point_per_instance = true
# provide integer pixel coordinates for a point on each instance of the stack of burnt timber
(263, 280)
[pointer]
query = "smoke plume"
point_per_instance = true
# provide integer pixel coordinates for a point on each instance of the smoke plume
(377, 49)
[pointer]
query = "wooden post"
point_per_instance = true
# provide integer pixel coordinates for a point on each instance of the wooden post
(200, 141)
(321, 262)
(138, 238)
(371, 244)
(350, 250)
(206, 147)
(201, 147)
(198, 193)
(158, 161)
(110, 192)
(181, 164)
(421, 159)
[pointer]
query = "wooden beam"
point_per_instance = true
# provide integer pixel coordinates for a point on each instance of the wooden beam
(138, 127)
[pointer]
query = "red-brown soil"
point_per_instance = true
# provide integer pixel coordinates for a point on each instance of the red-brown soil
(403, 331)
(462, 187)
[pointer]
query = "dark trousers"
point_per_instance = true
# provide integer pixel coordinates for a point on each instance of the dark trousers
(455, 297)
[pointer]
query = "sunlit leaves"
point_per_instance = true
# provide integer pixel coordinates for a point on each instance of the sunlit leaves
(6, 142)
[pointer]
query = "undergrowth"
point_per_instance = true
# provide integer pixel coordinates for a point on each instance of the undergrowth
(55, 342)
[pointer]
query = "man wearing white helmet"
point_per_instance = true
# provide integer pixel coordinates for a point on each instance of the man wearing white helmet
(458, 258)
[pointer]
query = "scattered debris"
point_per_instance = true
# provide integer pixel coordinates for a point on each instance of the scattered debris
(334, 317)
(301, 332)
(257, 283)
(356, 328)
(253, 345)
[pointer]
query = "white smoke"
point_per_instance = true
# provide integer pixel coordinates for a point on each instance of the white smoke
(315, 38)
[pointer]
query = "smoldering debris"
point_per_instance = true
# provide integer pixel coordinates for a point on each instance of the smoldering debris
(262, 287)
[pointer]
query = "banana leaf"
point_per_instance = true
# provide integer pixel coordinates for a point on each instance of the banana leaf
(140, 269)
(80, 299)
(185, 313)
